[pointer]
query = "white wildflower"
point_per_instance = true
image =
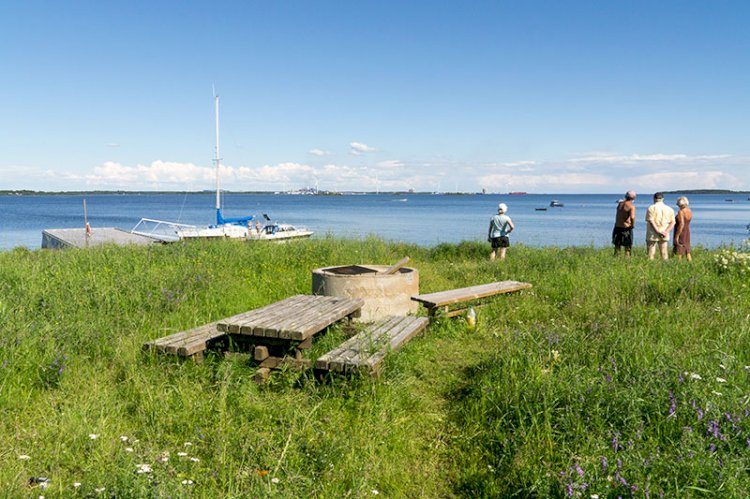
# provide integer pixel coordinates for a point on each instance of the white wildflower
(93, 436)
(99, 490)
(143, 468)
(194, 459)
(695, 376)
(76, 485)
(188, 444)
(722, 366)
(24, 457)
(375, 492)
(594, 496)
(721, 380)
(182, 454)
(275, 480)
(716, 393)
(187, 482)
(128, 449)
(123, 438)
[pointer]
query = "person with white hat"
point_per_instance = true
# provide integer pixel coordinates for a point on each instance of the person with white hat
(500, 227)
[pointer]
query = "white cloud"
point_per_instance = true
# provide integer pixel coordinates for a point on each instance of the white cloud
(357, 148)
(391, 163)
(319, 152)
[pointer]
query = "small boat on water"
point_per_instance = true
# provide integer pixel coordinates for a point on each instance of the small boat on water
(556, 204)
(540, 209)
(225, 228)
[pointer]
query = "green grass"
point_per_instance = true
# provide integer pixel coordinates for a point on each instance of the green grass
(586, 384)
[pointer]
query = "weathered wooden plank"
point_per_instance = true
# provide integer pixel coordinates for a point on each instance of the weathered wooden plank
(394, 268)
(368, 348)
(185, 343)
(396, 342)
(362, 344)
(342, 309)
(234, 323)
(317, 306)
(273, 326)
(459, 295)
(258, 320)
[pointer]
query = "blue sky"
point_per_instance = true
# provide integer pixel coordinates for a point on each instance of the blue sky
(540, 96)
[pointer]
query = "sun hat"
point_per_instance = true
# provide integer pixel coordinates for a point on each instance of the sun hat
(502, 207)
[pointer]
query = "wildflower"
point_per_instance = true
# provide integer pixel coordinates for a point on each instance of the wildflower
(187, 482)
(194, 459)
(163, 457)
(188, 444)
(123, 438)
(718, 394)
(673, 404)
(555, 355)
(275, 480)
(93, 436)
(375, 492)
(99, 490)
(604, 463)
(76, 485)
(695, 376)
(721, 380)
(569, 488)
(594, 496)
(143, 468)
(24, 457)
(262, 472)
(128, 449)
(579, 470)
(182, 454)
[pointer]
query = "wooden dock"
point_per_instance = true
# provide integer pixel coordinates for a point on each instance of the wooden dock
(77, 238)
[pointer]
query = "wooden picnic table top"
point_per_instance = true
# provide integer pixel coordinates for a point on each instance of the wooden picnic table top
(295, 318)
(459, 295)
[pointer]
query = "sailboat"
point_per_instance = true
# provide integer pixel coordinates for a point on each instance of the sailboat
(231, 228)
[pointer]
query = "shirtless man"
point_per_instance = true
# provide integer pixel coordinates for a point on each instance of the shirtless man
(622, 234)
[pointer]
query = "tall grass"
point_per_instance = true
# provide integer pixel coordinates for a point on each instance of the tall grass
(610, 377)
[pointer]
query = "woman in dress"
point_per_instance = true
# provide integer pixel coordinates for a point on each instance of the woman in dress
(682, 229)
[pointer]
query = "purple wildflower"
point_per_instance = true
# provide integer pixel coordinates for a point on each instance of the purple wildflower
(604, 459)
(634, 488)
(579, 470)
(747, 440)
(699, 413)
(569, 487)
(614, 443)
(712, 447)
(614, 364)
(672, 404)
(623, 481)
(619, 464)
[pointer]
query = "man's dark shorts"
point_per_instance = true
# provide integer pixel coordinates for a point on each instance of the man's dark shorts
(622, 236)
(500, 242)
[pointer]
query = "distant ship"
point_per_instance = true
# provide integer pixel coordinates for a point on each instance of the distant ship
(518, 192)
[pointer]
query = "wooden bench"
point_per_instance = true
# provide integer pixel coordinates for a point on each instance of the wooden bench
(443, 300)
(366, 351)
(191, 343)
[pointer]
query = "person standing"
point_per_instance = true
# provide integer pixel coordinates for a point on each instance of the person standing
(622, 234)
(659, 223)
(500, 227)
(682, 230)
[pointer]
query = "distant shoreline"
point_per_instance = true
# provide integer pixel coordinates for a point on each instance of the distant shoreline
(27, 192)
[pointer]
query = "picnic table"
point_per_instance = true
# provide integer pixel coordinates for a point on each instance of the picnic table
(281, 331)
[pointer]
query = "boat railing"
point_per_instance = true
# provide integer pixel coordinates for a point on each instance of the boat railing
(161, 230)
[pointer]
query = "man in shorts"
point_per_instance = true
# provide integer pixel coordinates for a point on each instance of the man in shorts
(622, 234)
(500, 227)
(659, 223)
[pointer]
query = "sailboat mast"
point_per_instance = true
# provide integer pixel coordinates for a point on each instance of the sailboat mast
(218, 163)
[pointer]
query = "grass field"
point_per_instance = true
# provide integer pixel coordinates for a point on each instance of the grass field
(610, 377)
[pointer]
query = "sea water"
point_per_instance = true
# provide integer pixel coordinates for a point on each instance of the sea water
(423, 219)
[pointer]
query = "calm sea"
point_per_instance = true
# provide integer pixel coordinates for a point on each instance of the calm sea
(424, 219)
